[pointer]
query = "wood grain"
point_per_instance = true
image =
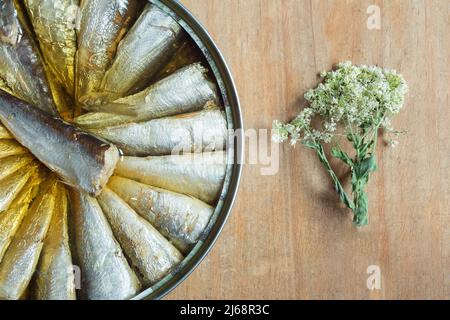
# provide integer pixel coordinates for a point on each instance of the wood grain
(287, 236)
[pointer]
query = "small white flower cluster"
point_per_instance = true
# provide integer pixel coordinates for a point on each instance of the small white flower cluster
(354, 96)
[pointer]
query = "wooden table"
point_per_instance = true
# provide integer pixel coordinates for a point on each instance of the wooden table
(287, 237)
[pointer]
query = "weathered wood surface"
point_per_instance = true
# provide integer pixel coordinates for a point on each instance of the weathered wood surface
(286, 237)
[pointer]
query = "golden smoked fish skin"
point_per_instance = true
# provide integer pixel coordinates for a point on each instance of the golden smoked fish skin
(144, 51)
(21, 70)
(21, 258)
(198, 175)
(187, 90)
(150, 254)
(11, 219)
(54, 26)
(4, 133)
(192, 132)
(95, 120)
(11, 148)
(80, 159)
(103, 24)
(187, 54)
(11, 185)
(105, 272)
(54, 23)
(180, 218)
(12, 164)
(54, 279)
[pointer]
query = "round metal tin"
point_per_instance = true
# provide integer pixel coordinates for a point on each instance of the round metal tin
(235, 149)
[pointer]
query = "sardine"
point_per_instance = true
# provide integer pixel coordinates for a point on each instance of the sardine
(198, 175)
(54, 279)
(151, 255)
(54, 22)
(12, 164)
(103, 24)
(144, 51)
(193, 132)
(187, 90)
(95, 120)
(80, 159)
(21, 70)
(105, 272)
(180, 218)
(11, 219)
(187, 54)
(10, 148)
(10, 186)
(4, 133)
(21, 258)
(54, 26)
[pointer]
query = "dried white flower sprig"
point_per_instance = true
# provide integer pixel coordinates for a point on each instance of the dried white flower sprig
(354, 102)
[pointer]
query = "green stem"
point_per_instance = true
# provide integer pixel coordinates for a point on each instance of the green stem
(361, 209)
(337, 184)
(364, 165)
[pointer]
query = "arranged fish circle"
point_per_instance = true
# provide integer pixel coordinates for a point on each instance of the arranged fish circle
(113, 149)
